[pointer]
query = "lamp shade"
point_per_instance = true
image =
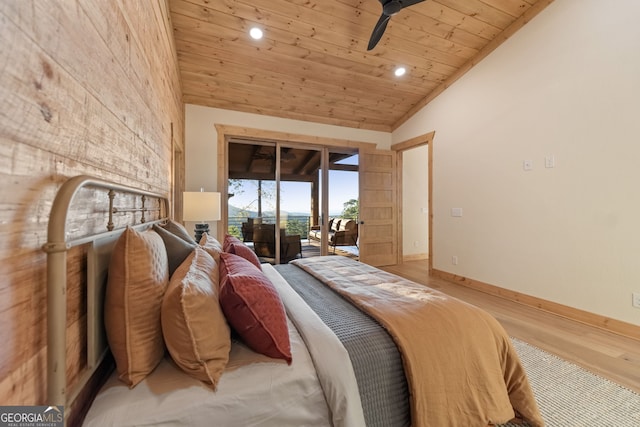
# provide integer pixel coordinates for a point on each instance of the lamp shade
(201, 206)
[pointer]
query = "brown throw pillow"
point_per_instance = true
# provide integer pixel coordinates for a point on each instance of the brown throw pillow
(138, 278)
(194, 327)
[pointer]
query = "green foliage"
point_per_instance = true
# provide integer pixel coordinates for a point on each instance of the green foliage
(234, 231)
(296, 226)
(350, 209)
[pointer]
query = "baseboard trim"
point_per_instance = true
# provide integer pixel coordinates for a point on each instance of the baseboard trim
(612, 325)
(415, 257)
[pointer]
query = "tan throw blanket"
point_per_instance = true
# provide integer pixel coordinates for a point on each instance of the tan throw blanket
(461, 367)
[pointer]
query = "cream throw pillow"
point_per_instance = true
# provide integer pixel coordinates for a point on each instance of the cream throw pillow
(194, 327)
(212, 246)
(138, 278)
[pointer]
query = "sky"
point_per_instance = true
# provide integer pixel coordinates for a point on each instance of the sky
(296, 196)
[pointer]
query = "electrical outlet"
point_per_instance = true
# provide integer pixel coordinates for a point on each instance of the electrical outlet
(636, 299)
(454, 260)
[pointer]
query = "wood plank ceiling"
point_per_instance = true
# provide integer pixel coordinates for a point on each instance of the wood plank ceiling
(312, 63)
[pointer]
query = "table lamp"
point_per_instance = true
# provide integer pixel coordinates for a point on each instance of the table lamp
(201, 206)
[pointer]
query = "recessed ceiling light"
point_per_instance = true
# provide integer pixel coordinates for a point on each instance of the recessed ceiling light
(400, 71)
(256, 33)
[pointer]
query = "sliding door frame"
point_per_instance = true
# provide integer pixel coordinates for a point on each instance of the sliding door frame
(226, 133)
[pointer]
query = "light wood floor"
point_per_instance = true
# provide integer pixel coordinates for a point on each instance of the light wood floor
(609, 355)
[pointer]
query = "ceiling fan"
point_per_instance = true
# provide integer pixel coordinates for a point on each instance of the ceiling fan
(389, 8)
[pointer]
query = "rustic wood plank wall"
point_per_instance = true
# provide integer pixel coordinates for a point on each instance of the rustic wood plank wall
(87, 87)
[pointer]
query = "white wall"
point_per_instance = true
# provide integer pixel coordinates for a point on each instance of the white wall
(415, 202)
(567, 85)
(201, 152)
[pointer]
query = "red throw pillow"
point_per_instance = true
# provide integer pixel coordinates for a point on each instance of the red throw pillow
(253, 307)
(228, 241)
(245, 252)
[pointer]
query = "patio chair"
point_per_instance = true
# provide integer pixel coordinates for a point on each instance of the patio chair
(264, 243)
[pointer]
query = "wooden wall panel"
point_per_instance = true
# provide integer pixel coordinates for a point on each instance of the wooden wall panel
(88, 87)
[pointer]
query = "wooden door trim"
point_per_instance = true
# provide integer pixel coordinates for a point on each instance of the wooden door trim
(401, 147)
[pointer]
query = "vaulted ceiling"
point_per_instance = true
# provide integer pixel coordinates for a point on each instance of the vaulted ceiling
(312, 63)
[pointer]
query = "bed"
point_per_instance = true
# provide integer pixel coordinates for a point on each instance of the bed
(322, 341)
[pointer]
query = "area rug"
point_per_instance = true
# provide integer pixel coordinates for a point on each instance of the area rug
(570, 396)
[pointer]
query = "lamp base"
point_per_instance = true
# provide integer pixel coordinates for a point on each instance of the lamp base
(200, 230)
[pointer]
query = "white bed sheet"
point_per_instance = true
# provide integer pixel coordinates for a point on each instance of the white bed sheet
(260, 394)
(330, 357)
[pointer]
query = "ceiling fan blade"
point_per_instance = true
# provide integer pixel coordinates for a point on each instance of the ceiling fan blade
(407, 3)
(378, 31)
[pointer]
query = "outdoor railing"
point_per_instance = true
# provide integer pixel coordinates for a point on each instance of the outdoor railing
(293, 224)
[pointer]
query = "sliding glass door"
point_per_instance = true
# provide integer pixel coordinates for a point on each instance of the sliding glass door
(298, 193)
(251, 188)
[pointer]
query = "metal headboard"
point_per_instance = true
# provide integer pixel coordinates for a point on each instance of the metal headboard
(59, 241)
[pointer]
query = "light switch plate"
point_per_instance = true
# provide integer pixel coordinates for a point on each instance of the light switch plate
(550, 161)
